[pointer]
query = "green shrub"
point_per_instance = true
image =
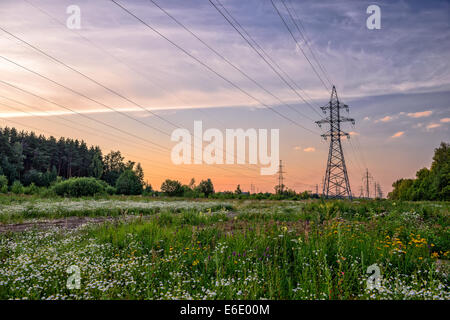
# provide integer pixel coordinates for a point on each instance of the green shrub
(79, 187)
(129, 183)
(206, 187)
(31, 189)
(17, 187)
(3, 184)
(110, 190)
(172, 188)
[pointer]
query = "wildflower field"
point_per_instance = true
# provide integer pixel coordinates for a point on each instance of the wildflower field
(238, 249)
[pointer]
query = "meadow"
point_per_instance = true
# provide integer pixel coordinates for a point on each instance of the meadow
(233, 249)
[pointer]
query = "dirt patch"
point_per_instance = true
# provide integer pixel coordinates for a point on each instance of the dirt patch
(67, 223)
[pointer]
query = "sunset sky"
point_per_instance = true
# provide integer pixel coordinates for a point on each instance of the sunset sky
(396, 81)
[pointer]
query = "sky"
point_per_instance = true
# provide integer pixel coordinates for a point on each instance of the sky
(396, 81)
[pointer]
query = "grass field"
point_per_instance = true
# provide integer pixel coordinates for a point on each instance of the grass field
(238, 249)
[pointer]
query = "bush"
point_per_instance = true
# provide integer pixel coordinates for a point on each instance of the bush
(172, 188)
(129, 183)
(110, 190)
(3, 184)
(79, 187)
(148, 190)
(17, 187)
(31, 189)
(206, 187)
(33, 176)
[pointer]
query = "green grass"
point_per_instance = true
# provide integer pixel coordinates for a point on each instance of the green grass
(246, 250)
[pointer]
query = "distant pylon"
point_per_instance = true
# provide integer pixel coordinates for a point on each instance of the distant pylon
(361, 192)
(366, 181)
(380, 193)
(336, 184)
(280, 187)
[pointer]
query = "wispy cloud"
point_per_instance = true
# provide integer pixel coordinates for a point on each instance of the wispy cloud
(420, 114)
(385, 119)
(353, 133)
(309, 149)
(398, 134)
(433, 125)
(445, 120)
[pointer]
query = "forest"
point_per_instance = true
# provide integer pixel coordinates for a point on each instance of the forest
(429, 184)
(31, 159)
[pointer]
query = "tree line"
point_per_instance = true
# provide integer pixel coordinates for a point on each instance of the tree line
(429, 184)
(31, 164)
(29, 159)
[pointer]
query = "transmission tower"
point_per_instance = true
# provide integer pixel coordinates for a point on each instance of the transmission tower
(336, 184)
(280, 187)
(375, 190)
(379, 191)
(361, 192)
(366, 180)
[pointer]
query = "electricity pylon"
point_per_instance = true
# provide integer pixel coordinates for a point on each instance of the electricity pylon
(366, 180)
(280, 187)
(336, 183)
(379, 191)
(361, 193)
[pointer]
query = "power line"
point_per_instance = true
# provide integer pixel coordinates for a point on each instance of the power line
(227, 60)
(144, 76)
(299, 46)
(305, 38)
(81, 114)
(87, 77)
(209, 68)
(83, 95)
(259, 53)
(96, 130)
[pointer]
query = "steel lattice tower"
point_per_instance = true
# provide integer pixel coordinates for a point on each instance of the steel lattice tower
(280, 187)
(336, 183)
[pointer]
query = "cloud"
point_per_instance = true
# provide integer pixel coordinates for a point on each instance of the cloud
(398, 134)
(445, 120)
(309, 149)
(433, 125)
(385, 119)
(420, 114)
(366, 118)
(297, 148)
(353, 133)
